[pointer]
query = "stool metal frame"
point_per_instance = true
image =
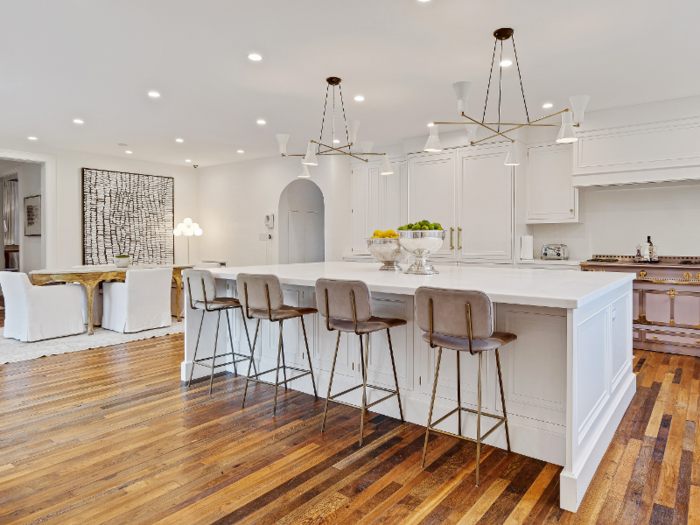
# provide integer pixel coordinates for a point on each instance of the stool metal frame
(479, 437)
(280, 353)
(211, 306)
(364, 358)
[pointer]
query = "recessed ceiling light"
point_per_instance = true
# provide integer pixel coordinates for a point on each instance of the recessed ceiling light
(154, 94)
(424, 0)
(77, 121)
(32, 138)
(128, 152)
(240, 151)
(254, 57)
(188, 160)
(122, 144)
(359, 98)
(431, 124)
(336, 141)
(505, 63)
(261, 121)
(179, 140)
(547, 105)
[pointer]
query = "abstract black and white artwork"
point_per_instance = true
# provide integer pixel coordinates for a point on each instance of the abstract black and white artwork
(127, 214)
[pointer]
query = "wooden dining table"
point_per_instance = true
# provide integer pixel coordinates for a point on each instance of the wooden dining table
(91, 277)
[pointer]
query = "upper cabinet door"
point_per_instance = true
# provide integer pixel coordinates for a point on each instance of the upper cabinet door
(486, 208)
(393, 196)
(360, 208)
(551, 196)
(432, 192)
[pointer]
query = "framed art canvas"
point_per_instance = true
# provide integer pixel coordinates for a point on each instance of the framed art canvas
(32, 216)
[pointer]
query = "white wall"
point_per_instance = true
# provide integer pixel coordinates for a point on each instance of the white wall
(29, 184)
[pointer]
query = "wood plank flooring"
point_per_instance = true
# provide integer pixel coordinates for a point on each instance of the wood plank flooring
(111, 436)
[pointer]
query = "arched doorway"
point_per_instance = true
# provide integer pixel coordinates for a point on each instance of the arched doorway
(301, 223)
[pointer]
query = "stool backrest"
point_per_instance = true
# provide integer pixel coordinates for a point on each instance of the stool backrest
(339, 293)
(197, 283)
(450, 312)
(252, 292)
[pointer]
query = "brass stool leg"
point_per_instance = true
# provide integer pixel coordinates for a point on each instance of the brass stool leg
(432, 402)
(284, 362)
(364, 391)
(196, 347)
(230, 338)
(247, 335)
(503, 398)
(478, 423)
(247, 379)
(308, 355)
(459, 397)
(213, 358)
(277, 374)
(393, 366)
(330, 384)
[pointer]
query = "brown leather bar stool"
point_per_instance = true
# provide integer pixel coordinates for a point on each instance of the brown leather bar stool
(201, 291)
(347, 307)
(461, 321)
(262, 298)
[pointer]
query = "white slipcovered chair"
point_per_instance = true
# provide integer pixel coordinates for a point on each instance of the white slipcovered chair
(33, 313)
(142, 302)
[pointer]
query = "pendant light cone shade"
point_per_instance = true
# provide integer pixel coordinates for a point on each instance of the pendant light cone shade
(578, 104)
(304, 172)
(310, 158)
(471, 133)
(387, 169)
(367, 146)
(566, 132)
(512, 157)
(282, 141)
(354, 126)
(433, 143)
(462, 90)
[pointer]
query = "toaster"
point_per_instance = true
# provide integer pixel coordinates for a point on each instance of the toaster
(555, 252)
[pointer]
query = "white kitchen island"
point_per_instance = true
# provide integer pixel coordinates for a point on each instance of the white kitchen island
(568, 378)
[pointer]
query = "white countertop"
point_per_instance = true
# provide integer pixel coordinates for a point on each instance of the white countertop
(551, 288)
(553, 262)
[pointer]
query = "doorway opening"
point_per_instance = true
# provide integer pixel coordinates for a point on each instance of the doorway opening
(301, 223)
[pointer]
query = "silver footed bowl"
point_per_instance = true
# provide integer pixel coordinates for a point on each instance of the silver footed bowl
(387, 251)
(421, 243)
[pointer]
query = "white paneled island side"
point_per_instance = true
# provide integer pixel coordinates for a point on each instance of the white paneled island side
(568, 378)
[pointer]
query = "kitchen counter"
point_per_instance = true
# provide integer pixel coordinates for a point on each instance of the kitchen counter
(567, 378)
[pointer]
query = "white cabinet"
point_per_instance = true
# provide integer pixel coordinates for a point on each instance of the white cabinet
(360, 208)
(550, 194)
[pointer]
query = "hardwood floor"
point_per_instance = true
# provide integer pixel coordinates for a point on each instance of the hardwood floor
(111, 436)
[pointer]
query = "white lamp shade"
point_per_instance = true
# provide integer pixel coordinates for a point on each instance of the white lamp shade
(282, 141)
(387, 168)
(304, 172)
(310, 158)
(578, 104)
(198, 232)
(367, 146)
(471, 133)
(433, 143)
(462, 90)
(566, 132)
(194, 226)
(177, 232)
(188, 232)
(354, 126)
(512, 157)
(187, 221)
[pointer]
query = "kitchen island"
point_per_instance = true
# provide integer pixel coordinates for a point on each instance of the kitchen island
(568, 378)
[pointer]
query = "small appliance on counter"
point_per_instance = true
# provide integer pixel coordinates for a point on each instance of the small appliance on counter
(555, 252)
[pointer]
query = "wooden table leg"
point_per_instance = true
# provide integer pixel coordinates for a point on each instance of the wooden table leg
(90, 293)
(177, 277)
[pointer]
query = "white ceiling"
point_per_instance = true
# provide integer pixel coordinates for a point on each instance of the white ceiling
(97, 59)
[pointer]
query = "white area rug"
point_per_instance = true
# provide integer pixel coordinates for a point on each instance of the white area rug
(12, 350)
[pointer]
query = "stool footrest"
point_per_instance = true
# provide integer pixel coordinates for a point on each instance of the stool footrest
(254, 377)
(432, 425)
(392, 393)
(199, 361)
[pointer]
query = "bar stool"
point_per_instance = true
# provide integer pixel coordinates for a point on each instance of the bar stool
(461, 321)
(347, 307)
(263, 299)
(202, 295)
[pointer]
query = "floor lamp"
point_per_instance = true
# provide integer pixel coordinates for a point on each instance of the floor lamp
(188, 229)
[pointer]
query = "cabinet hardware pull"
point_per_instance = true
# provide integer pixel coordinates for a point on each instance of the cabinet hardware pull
(452, 231)
(572, 211)
(459, 238)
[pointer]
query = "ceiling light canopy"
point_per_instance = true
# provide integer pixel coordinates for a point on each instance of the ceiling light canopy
(313, 150)
(255, 57)
(462, 90)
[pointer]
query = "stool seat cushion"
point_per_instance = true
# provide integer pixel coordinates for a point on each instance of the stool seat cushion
(373, 324)
(496, 340)
(219, 303)
(284, 312)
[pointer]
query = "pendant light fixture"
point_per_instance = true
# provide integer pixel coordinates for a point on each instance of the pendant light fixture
(304, 172)
(462, 89)
(317, 148)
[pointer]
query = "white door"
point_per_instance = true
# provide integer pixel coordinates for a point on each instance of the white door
(551, 196)
(433, 192)
(486, 208)
(305, 237)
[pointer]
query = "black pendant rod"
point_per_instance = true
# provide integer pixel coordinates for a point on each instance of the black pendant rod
(488, 87)
(522, 90)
